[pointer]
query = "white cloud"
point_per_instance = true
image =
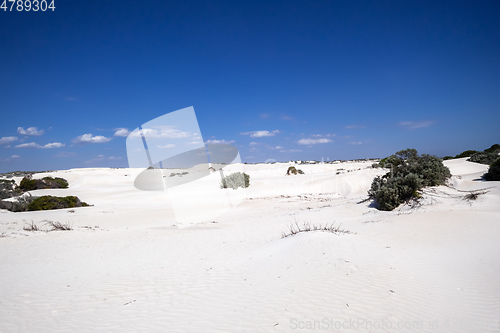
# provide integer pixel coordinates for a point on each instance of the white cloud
(37, 146)
(89, 138)
(30, 131)
(260, 134)
(8, 139)
(167, 146)
(15, 156)
(226, 142)
(313, 141)
(122, 132)
(29, 145)
(285, 117)
(356, 143)
(416, 124)
(54, 145)
(166, 132)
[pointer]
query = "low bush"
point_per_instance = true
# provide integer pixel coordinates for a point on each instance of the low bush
(55, 182)
(48, 202)
(291, 170)
(235, 180)
(493, 172)
(29, 184)
(493, 149)
(8, 188)
(484, 158)
(467, 153)
(408, 175)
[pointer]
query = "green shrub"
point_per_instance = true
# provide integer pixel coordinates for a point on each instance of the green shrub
(493, 149)
(48, 202)
(467, 153)
(484, 158)
(235, 180)
(28, 184)
(55, 182)
(408, 175)
(493, 172)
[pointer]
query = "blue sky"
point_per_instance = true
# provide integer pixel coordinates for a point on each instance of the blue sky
(280, 80)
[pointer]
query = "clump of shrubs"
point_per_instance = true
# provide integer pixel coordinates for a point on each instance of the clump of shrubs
(410, 172)
(493, 172)
(48, 202)
(8, 188)
(484, 157)
(235, 180)
(29, 184)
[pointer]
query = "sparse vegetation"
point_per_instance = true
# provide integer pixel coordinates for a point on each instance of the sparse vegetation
(59, 226)
(31, 227)
(473, 195)
(235, 180)
(409, 173)
(295, 228)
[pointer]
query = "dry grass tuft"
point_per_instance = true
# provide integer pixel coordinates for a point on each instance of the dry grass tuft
(295, 228)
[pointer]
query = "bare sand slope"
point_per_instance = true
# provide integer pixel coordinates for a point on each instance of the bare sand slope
(127, 267)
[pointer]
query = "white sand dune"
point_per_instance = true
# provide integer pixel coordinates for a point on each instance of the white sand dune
(127, 267)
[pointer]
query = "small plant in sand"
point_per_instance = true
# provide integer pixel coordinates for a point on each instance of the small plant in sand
(58, 225)
(473, 195)
(31, 227)
(295, 228)
(294, 171)
(235, 180)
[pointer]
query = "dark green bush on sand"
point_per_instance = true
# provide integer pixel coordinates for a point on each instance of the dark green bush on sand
(493, 172)
(409, 173)
(484, 158)
(55, 182)
(235, 180)
(467, 153)
(29, 184)
(48, 202)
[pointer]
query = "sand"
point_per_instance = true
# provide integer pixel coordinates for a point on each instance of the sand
(129, 266)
